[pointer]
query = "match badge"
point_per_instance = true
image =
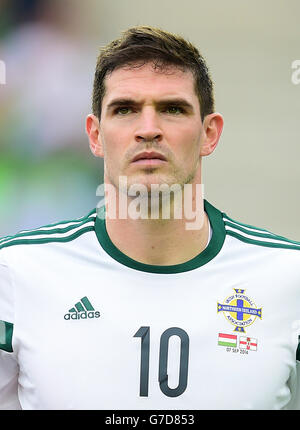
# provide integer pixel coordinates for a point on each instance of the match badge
(239, 310)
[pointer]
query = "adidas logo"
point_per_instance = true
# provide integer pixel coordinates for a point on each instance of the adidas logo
(82, 310)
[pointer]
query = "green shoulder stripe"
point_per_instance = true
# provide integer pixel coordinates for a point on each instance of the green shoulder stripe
(77, 220)
(16, 240)
(270, 244)
(256, 232)
(267, 234)
(47, 231)
(242, 224)
(6, 333)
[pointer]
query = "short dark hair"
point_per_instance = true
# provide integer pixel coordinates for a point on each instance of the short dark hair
(144, 44)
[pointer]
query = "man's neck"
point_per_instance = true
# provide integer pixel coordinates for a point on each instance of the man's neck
(159, 241)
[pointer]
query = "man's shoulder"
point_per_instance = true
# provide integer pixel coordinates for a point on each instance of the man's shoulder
(61, 231)
(253, 235)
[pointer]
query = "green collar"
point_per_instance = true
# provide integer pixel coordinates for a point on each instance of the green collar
(213, 248)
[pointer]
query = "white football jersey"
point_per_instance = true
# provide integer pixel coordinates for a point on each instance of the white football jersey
(83, 326)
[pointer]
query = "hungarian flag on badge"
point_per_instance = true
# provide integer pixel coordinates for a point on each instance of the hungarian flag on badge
(227, 340)
(248, 343)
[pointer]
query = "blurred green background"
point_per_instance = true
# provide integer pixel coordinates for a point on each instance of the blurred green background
(47, 172)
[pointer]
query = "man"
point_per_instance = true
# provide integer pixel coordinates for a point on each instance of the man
(138, 307)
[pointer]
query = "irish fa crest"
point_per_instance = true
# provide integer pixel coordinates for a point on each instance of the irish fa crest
(239, 310)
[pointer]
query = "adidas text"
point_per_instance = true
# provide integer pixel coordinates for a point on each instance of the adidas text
(82, 315)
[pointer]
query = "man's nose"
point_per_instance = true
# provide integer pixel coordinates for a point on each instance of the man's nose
(148, 127)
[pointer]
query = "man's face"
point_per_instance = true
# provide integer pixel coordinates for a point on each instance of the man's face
(147, 110)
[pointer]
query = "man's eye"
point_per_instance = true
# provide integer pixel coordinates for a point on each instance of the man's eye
(123, 110)
(175, 110)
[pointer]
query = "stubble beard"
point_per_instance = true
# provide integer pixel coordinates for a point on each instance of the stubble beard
(151, 180)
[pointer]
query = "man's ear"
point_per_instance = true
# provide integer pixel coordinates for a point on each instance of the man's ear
(92, 128)
(212, 129)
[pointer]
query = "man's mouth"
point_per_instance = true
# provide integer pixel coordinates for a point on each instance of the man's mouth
(149, 158)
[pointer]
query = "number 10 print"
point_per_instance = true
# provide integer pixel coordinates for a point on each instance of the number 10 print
(144, 334)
